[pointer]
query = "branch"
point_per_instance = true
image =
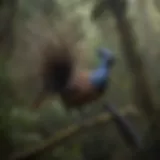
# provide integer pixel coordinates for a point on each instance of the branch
(65, 134)
(126, 130)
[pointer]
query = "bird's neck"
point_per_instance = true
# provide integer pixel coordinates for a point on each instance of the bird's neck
(99, 76)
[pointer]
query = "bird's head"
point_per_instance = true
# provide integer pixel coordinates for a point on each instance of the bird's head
(106, 55)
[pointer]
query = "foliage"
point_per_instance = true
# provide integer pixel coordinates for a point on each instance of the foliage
(35, 22)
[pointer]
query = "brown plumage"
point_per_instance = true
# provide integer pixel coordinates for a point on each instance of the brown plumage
(80, 91)
(88, 86)
(56, 69)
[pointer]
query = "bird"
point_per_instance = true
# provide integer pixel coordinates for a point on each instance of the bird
(74, 89)
(86, 86)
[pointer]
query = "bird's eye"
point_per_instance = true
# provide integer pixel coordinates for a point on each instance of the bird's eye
(104, 53)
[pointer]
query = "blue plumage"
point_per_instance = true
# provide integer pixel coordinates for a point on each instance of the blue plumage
(99, 77)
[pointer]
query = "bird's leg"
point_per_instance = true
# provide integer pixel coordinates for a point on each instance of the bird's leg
(83, 115)
(77, 114)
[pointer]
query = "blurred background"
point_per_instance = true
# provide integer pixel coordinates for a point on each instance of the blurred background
(27, 25)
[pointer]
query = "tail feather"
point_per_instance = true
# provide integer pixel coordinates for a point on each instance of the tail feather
(57, 68)
(56, 71)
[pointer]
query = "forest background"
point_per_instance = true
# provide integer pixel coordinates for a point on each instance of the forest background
(25, 26)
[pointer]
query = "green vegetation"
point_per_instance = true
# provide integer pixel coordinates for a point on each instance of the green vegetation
(26, 26)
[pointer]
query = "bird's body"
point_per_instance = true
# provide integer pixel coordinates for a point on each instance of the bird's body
(88, 86)
(80, 91)
(75, 89)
